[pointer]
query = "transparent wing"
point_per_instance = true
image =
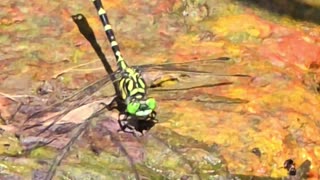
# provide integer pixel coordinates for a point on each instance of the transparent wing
(178, 78)
(81, 94)
(215, 66)
(168, 81)
(39, 122)
(184, 75)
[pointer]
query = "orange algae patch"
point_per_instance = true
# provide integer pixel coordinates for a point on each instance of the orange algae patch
(191, 120)
(208, 126)
(293, 49)
(251, 24)
(164, 6)
(115, 4)
(189, 46)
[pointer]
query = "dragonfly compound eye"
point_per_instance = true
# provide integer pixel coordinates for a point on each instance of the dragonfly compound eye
(133, 107)
(151, 102)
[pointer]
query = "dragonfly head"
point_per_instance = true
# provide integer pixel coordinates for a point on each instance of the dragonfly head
(141, 108)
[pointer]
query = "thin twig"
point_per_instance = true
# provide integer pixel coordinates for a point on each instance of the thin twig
(125, 152)
(87, 90)
(13, 97)
(63, 152)
(75, 68)
(81, 129)
(58, 117)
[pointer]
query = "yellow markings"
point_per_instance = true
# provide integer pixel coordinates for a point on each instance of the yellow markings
(137, 90)
(123, 92)
(141, 83)
(130, 71)
(134, 91)
(101, 11)
(121, 84)
(138, 96)
(122, 64)
(107, 27)
(120, 58)
(135, 77)
(130, 85)
(114, 43)
(124, 95)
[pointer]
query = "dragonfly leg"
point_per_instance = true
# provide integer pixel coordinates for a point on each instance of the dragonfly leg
(116, 103)
(126, 127)
(110, 106)
(153, 116)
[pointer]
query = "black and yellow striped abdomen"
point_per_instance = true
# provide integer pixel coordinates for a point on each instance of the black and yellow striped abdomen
(131, 84)
(110, 35)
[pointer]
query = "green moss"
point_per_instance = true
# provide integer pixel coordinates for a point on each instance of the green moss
(23, 168)
(9, 145)
(240, 37)
(4, 39)
(66, 79)
(224, 8)
(90, 166)
(43, 152)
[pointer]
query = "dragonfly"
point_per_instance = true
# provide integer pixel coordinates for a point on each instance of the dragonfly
(132, 100)
(133, 84)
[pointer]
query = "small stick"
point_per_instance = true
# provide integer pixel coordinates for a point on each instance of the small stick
(81, 129)
(63, 152)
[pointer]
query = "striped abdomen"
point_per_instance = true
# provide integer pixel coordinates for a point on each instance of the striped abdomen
(110, 35)
(131, 85)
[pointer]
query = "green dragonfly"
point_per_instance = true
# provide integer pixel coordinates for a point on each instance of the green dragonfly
(131, 83)
(131, 100)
